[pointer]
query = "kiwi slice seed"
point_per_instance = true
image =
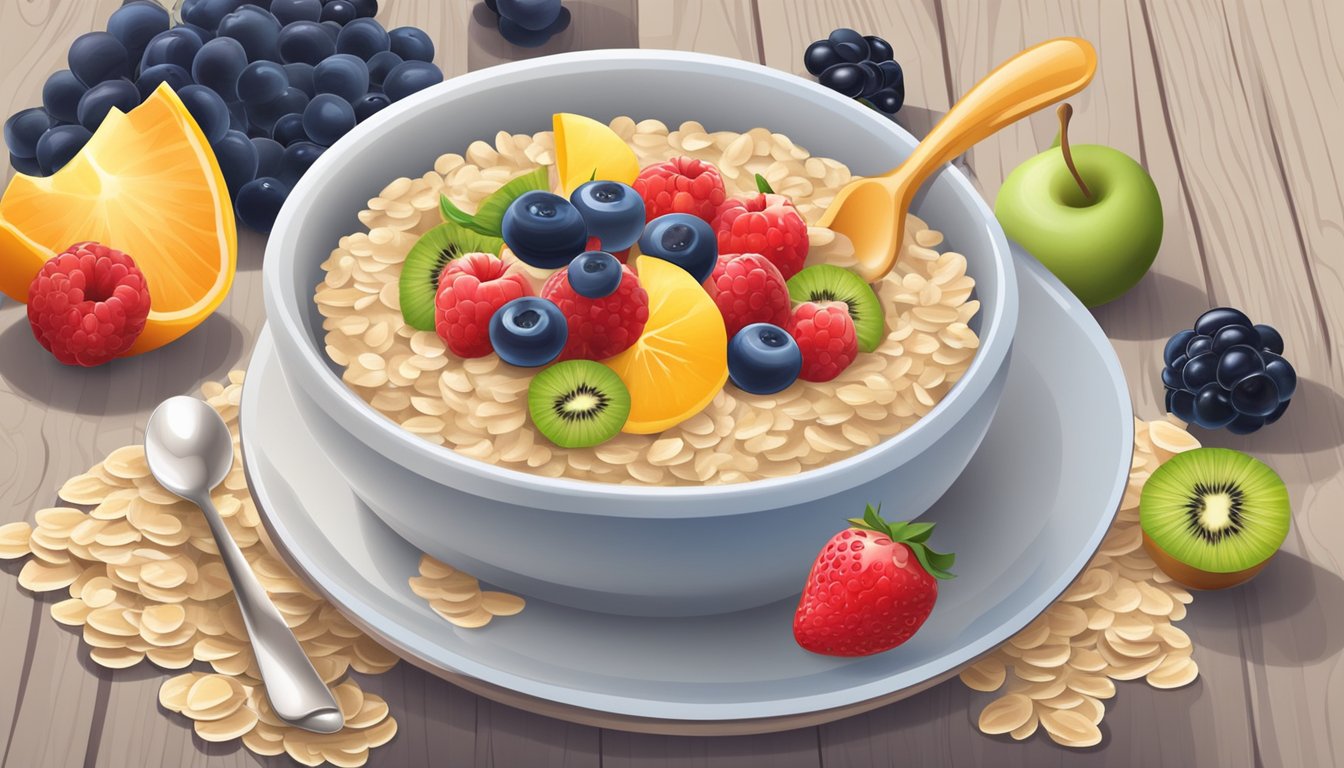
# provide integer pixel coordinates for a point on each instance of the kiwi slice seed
(424, 263)
(827, 282)
(1212, 517)
(578, 403)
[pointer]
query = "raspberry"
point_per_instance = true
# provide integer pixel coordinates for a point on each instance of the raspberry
(471, 288)
(749, 289)
(680, 185)
(599, 328)
(765, 224)
(825, 334)
(88, 305)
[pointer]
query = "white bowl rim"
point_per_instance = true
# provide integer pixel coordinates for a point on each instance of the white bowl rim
(388, 437)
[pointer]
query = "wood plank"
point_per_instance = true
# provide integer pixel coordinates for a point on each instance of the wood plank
(790, 749)
(593, 24)
(722, 27)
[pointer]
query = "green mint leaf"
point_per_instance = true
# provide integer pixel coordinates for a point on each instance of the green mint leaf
(454, 214)
(763, 186)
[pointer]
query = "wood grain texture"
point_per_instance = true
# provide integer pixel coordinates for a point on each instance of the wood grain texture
(1234, 107)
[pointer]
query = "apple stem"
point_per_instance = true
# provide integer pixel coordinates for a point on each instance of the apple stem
(1065, 113)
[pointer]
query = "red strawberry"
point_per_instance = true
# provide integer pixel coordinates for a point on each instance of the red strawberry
(471, 288)
(767, 224)
(870, 589)
(681, 185)
(748, 289)
(826, 337)
(599, 328)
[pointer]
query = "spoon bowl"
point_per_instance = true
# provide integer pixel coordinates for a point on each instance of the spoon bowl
(188, 447)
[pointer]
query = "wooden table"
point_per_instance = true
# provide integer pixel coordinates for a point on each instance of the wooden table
(1231, 106)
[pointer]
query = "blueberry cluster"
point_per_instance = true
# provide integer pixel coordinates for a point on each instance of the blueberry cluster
(529, 23)
(271, 83)
(1227, 372)
(858, 66)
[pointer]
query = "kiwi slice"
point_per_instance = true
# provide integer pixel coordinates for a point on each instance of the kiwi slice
(827, 282)
(1213, 517)
(426, 260)
(578, 403)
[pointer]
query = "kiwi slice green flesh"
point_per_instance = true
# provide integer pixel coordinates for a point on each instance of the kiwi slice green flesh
(578, 403)
(827, 282)
(1212, 517)
(425, 262)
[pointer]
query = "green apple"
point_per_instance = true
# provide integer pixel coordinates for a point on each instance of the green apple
(1099, 243)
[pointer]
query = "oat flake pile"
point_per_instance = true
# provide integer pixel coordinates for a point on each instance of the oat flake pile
(145, 582)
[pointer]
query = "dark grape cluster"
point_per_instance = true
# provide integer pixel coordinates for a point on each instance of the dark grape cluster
(1227, 372)
(271, 83)
(529, 23)
(858, 66)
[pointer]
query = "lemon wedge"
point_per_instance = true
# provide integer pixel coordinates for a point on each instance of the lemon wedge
(586, 149)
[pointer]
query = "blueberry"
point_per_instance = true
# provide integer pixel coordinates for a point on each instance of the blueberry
(595, 274)
(262, 81)
(1245, 424)
(1256, 395)
(363, 38)
(493, 5)
(23, 129)
(872, 78)
(528, 332)
(365, 9)
(306, 42)
(344, 75)
(1270, 338)
(1213, 407)
(150, 79)
(1171, 377)
(259, 201)
(820, 56)
(1199, 371)
(301, 76)
(1231, 335)
(380, 65)
(218, 65)
(1281, 372)
(101, 98)
(532, 15)
(1182, 406)
(544, 230)
(263, 116)
(237, 159)
(1199, 344)
(327, 118)
(264, 5)
(238, 117)
(613, 213)
(209, 110)
(98, 56)
(290, 11)
(59, 145)
(526, 38)
(1176, 346)
(176, 46)
(370, 104)
(1209, 322)
(411, 43)
(332, 29)
(409, 77)
(201, 34)
(339, 11)
(1278, 412)
(850, 45)
(845, 79)
(1236, 364)
(684, 240)
(61, 94)
(297, 160)
(763, 359)
(893, 76)
(207, 14)
(289, 130)
(257, 31)
(26, 165)
(270, 154)
(879, 50)
(135, 24)
(888, 100)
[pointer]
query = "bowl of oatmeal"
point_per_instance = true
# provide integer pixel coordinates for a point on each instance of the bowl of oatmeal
(721, 509)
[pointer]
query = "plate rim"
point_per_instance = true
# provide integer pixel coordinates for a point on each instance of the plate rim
(552, 699)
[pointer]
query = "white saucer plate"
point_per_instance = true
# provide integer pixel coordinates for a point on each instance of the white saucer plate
(1023, 519)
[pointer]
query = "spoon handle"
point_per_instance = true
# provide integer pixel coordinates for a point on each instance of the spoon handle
(297, 693)
(1033, 79)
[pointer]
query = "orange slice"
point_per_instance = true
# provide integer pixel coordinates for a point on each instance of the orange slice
(148, 184)
(681, 360)
(586, 149)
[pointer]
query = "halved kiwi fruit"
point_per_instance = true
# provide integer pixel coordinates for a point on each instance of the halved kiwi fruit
(1213, 517)
(426, 260)
(827, 282)
(578, 403)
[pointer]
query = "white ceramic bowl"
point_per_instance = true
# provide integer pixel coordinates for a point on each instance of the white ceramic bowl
(659, 551)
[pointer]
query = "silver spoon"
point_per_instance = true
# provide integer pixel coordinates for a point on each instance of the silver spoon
(189, 451)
